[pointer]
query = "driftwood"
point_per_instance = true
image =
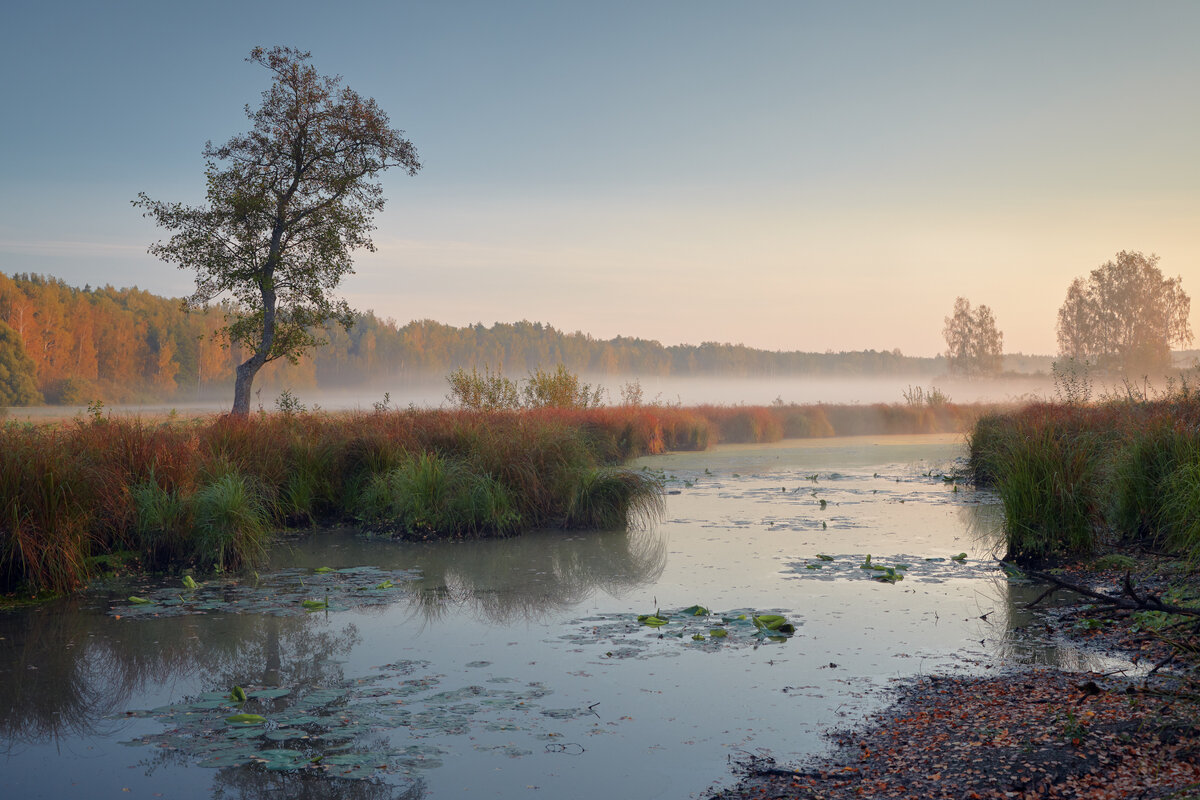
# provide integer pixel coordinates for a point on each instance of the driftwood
(1129, 597)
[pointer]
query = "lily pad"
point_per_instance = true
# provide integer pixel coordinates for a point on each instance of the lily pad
(282, 759)
(246, 719)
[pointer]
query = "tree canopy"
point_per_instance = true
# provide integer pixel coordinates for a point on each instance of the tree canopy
(18, 379)
(287, 204)
(974, 346)
(1125, 316)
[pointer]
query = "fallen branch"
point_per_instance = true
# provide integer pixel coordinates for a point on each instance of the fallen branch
(1128, 599)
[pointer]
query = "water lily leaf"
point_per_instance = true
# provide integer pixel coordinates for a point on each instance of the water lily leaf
(281, 759)
(190, 583)
(246, 719)
(268, 694)
(208, 705)
(824, 557)
(890, 576)
(774, 623)
(652, 620)
(139, 601)
(699, 637)
(695, 611)
(960, 557)
(228, 758)
(314, 605)
(237, 694)
(320, 570)
(718, 633)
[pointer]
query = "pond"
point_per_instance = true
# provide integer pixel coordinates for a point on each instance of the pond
(500, 669)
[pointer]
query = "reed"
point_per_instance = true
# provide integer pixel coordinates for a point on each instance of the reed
(231, 523)
(611, 499)
(1071, 476)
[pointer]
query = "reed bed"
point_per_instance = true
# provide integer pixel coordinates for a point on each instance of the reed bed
(208, 493)
(1073, 477)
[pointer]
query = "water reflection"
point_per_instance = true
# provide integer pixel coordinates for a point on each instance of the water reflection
(64, 671)
(247, 783)
(983, 524)
(532, 577)
(1026, 636)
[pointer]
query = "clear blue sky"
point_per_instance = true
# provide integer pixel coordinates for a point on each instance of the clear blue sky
(791, 175)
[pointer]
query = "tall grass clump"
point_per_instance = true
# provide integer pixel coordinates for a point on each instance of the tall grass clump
(161, 527)
(230, 521)
(1142, 467)
(613, 499)
(1071, 473)
(428, 496)
(49, 496)
(1177, 515)
(1048, 482)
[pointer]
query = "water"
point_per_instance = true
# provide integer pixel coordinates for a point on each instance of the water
(509, 668)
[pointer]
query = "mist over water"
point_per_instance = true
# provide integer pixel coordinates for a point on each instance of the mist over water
(431, 391)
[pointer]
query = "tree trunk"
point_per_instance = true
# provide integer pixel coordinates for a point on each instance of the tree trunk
(241, 387)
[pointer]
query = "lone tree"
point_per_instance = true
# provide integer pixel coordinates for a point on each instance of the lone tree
(288, 202)
(1125, 316)
(974, 346)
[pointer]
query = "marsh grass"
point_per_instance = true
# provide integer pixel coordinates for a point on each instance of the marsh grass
(612, 499)
(1071, 475)
(1049, 486)
(161, 527)
(207, 492)
(230, 521)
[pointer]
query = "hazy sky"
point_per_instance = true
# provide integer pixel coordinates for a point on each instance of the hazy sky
(790, 175)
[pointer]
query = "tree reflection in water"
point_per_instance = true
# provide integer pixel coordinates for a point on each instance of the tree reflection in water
(247, 783)
(65, 672)
(531, 576)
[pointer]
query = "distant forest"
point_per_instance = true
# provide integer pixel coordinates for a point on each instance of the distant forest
(128, 345)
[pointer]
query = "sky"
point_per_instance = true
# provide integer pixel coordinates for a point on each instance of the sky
(787, 175)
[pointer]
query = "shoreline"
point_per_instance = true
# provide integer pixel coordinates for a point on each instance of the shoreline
(1026, 732)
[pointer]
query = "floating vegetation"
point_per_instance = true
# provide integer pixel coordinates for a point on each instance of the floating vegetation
(336, 731)
(289, 591)
(933, 569)
(625, 637)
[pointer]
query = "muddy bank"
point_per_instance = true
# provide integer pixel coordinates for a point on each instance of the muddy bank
(1036, 733)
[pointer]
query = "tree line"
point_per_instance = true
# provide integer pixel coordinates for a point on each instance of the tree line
(129, 345)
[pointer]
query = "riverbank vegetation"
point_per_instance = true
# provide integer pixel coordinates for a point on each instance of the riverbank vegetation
(1074, 476)
(207, 493)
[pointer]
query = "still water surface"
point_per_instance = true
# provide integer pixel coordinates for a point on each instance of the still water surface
(517, 668)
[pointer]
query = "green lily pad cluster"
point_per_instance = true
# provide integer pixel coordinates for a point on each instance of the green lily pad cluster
(289, 591)
(934, 568)
(700, 624)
